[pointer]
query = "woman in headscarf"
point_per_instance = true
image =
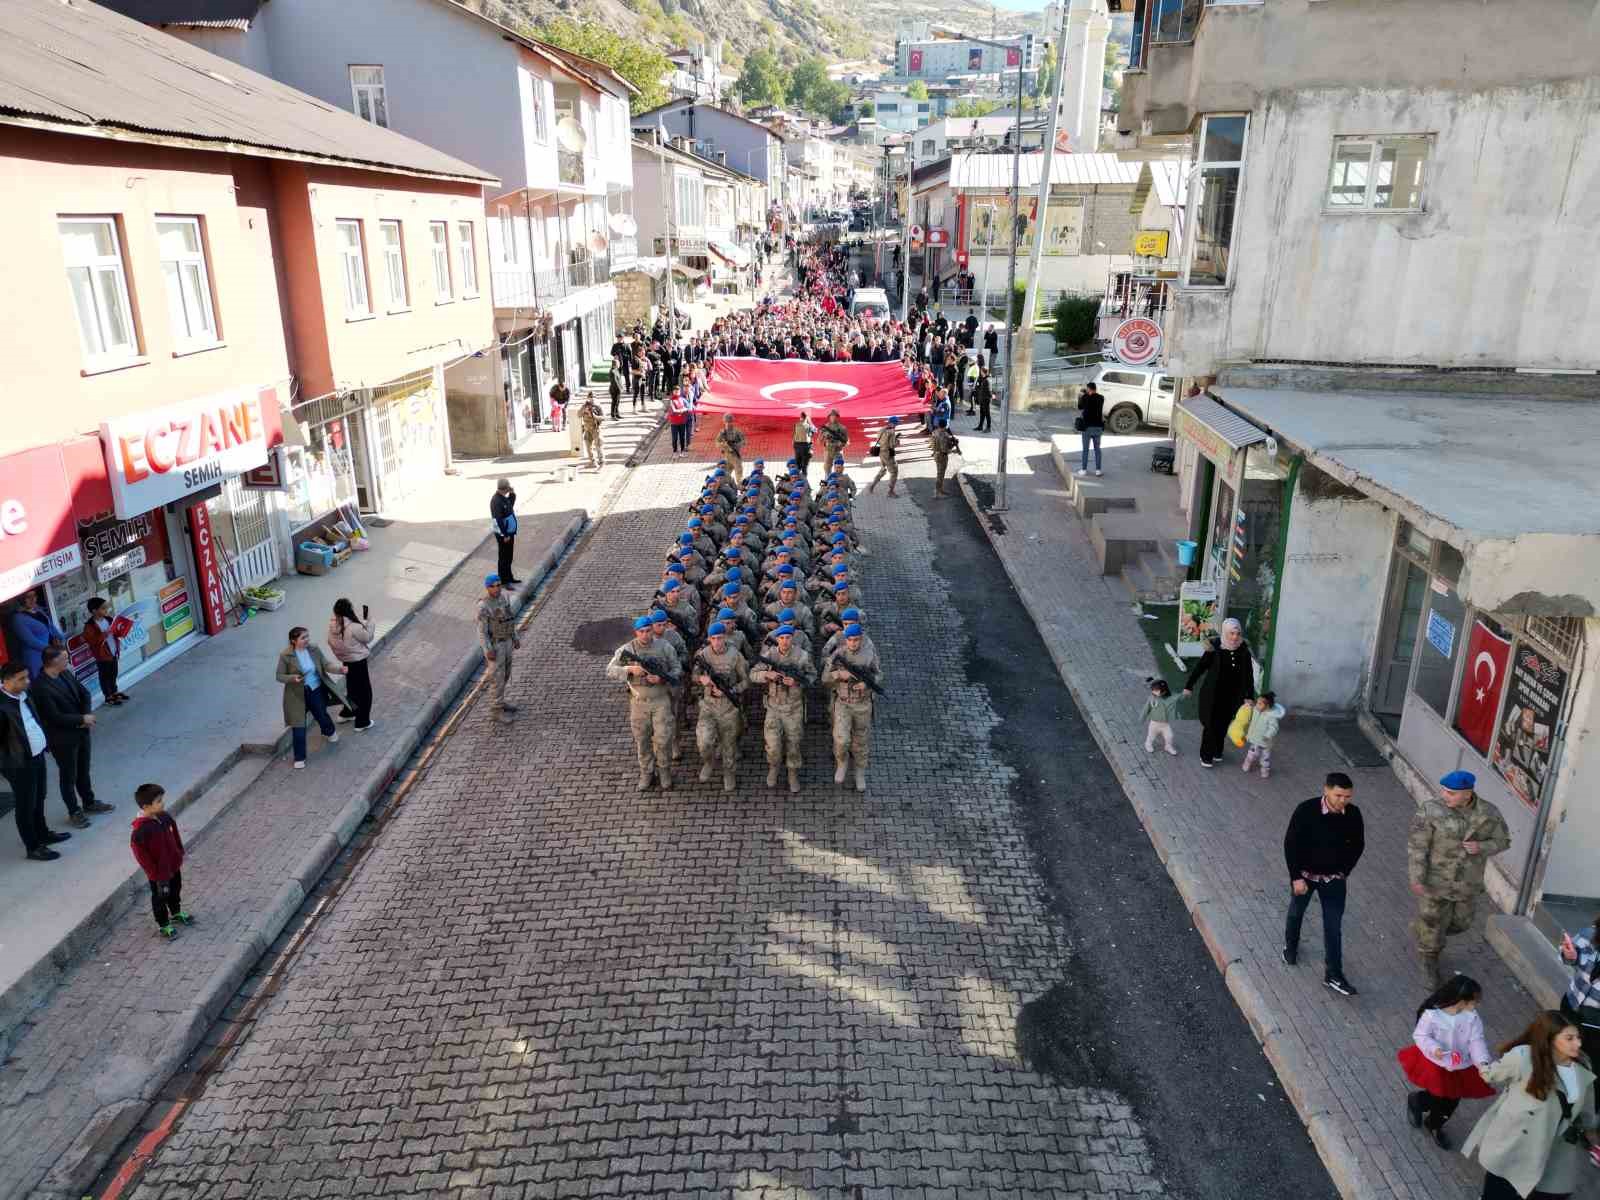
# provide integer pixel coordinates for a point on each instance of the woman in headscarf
(1226, 678)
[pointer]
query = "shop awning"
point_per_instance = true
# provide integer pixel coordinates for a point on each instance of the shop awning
(736, 256)
(1507, 477)
(1225, 424)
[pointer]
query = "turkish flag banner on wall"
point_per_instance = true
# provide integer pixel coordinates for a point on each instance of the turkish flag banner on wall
(782, 389)
(1488, 654)
(1013, 57)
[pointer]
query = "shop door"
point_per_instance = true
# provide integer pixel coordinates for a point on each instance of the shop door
(568, 365)
(1397, 643)
(368, 498)
(241, 524)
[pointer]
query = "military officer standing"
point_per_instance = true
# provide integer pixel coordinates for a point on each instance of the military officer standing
(731, 442)
(852, 706)
(944, 444)
(786, 704)
(497, 634)
(717, 729)
(589, 422)
(649, 700)
(1452, 839)
(888, 443)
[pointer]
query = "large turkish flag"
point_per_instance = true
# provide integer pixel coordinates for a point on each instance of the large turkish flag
(782, 389)
(1487, 657)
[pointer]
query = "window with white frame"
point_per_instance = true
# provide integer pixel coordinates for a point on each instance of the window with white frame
(367, 93)
(439, 231)
(394, 264)
(99, 284)
(183, 271)
(1214, 198)
(1378, 174)
(508, 233)
(355, 269)
(538, 110)
(467, 255)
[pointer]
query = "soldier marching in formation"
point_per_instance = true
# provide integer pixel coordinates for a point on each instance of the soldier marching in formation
(759, 595)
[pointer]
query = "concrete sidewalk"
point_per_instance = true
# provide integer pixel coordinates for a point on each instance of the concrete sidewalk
(103, 1012)
(1220, 834)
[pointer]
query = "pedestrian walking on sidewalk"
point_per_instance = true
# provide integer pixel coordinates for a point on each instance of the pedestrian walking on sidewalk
(22, 746)
(1446, 1052)
(67, 711)
(616, 388)
(560, 394)
(1532, 1140)
(1262, 731)
(158, 849)
(1581, 1003)
(589, 422)
(1225, 675)
(304, 672)
(983, 393)
(497, 635)
(503, 516)
(1091, 425)
(1452, 839)
(678, 422)
(106, 647)
(1160, 710)
(1321, 847)
(350, 639)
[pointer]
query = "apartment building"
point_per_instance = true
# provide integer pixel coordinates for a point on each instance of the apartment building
(228, 315)
(552, 126)
(1387, 284)
(739, 142)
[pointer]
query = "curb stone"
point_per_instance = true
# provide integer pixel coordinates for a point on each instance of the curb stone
(1330, 1132)
(83, 1160)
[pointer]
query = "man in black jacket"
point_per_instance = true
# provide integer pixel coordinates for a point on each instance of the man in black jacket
(1321, 847)
(22, 744)
(64, 707)
(502, 511)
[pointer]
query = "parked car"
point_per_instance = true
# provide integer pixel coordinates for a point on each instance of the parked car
(1135, 396)
(870, 297)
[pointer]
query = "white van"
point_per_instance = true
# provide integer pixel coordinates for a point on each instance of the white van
(1135, 396)
(874, 298)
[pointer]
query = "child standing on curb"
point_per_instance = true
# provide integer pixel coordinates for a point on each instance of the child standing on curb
(1262, 732)
(1161, 709)
(158, 849)
(1447, 1048)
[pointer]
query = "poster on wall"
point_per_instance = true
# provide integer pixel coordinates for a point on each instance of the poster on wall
(974, 58)
(1197, 617)
(1533, 705)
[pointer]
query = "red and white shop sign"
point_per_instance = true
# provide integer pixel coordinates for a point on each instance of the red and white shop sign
(938, 237)
(154, 458)
(208, 567)
(38, 538)
(1136, 342)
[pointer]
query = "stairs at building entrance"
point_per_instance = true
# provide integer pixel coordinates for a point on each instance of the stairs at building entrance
(1134, 522)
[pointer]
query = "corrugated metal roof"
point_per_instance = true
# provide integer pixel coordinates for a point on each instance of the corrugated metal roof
(75, 63)
(1228, 425)
(992, 172)
(234, 13)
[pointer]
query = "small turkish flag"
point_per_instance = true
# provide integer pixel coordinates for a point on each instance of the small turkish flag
(1488, 655)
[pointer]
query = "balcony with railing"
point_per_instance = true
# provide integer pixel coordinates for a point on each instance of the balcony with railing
(624, 252)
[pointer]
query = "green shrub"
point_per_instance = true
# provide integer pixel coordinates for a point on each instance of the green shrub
(1075, 318)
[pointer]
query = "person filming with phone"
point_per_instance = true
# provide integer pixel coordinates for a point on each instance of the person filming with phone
(350, 639)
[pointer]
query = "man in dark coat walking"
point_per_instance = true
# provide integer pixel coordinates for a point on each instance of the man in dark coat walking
(502, 512)
(65, 710)
(1226, 678)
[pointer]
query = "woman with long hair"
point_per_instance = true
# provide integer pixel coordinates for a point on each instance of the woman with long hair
(350, 639)
(1532, 1140)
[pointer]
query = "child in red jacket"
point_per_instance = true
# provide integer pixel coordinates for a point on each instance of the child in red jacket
(159, 850)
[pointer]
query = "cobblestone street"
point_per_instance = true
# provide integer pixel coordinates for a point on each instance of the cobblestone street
(542, 982)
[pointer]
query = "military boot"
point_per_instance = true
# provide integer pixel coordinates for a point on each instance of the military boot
(705, 772)
(838, 771)
(666, 777)
(644, 781)
(727, 781)
(772, 775)
(861, 779)
(794, 780)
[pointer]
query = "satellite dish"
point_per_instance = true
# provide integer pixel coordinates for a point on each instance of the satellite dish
(597, 242)
(571, 136)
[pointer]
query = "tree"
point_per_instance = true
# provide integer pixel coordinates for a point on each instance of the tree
(639, 63)
(762, 81)
(807, 79)
(1075, 320)
(973, 108)
(1045, 86)
(917, 91)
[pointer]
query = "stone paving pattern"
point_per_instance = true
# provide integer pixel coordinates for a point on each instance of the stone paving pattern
(92, 1045)
(542, 982)
(1225, 832)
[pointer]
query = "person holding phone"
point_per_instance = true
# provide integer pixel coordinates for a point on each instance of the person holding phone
(350, 639)
(1581, 1003)
(304, 674)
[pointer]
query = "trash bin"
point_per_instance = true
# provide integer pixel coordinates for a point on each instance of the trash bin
(1186, 553)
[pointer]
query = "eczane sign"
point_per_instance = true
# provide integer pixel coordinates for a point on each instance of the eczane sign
(156, 457)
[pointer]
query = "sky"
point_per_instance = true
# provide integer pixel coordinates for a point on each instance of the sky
(1023, 5)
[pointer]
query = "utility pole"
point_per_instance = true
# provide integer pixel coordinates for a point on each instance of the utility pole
(1011, 290)
(1024, 359)
(666, 204)
(905, 243)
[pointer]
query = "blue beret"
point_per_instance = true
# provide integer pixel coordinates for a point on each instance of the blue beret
(718, 473)
(841, 589)
(715, 628)
(784, 631)
(852, 630)
(786, 569)
(686, 538)
(793, 462)
(642, 622)
(733, 553)
(761, 462)
(851, 614)
(735, 573)
(657, 617)
(730, 589)
(490, 579)
(894, 420)
(838, 460)
(1459, 781)
(838, 539)
(674, 569)
(671, 585)
(840, 569)
(786, 616)
(725, 614)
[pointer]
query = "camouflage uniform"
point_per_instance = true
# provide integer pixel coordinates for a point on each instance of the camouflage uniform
(649, 709)
(731, 442)
(888, 441)
(498, 636)
(852, 713)
(1453, 879)
(719, 723)
(589, 422)
(943, 443)
(786, 713)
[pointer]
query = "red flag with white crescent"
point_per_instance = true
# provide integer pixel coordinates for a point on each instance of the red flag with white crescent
(783, 389)
(1488, 655)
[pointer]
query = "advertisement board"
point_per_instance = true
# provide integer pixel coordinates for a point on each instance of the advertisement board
(163, 454)
(1197, 617)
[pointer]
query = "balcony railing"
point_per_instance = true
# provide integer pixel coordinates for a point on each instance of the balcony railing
(624, 252)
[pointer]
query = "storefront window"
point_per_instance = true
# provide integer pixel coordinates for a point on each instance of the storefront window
(321, 474)
(1442, 637)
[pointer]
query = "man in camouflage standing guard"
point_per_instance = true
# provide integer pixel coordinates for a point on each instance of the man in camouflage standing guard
(852, 705)
(589, 422)
(649, 699)
(497, 634)
(1452, 839)
(731, 442)
(888, 443)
